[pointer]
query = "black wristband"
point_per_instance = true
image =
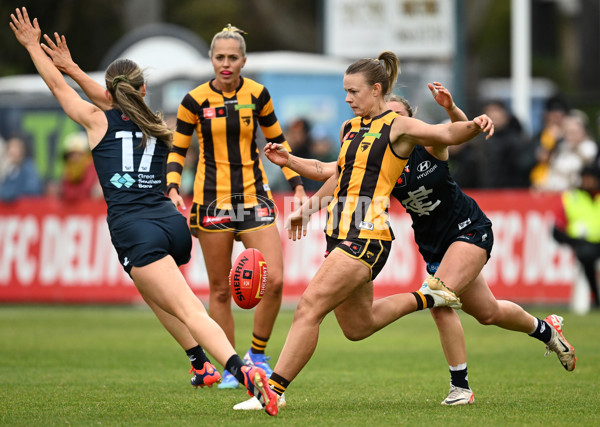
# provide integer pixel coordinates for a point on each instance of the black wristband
(295, 181)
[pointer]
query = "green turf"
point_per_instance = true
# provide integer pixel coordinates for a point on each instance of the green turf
(117, 366)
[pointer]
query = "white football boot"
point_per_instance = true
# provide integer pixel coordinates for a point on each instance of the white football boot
(559, 345)
(442, 296)
(253, 404)
(458, 396)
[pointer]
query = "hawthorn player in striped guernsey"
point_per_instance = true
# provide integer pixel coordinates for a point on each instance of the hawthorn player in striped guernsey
(455, 238)
(375, 148)
(232, 199)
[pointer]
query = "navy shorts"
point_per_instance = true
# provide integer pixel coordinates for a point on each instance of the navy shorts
(480, 236)
(237, 219)
(147, 240)
(373, 253)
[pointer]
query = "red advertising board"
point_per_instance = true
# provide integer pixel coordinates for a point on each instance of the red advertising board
(52, 251)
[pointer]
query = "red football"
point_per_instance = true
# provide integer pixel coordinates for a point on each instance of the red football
(248, 278)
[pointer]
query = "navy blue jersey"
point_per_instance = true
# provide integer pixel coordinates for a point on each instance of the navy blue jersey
(439, 209)
(132, 177)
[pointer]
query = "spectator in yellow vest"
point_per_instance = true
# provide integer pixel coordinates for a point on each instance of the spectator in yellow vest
(578, 225)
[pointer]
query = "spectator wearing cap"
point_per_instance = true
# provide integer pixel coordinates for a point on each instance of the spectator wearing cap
(79, 180)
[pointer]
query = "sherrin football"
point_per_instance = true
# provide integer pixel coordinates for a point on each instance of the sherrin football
(248, 278)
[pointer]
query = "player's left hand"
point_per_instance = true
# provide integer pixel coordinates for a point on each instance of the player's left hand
(296, 224)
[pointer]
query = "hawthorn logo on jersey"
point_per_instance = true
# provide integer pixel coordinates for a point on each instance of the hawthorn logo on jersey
(365, 145)
(214, 113)
(122, 180)
(246, 120)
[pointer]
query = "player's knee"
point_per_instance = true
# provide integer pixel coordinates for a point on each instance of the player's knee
(307, 312)
(355, 334)
(220, 294)
(275, 284)
(486, 319)
(441, 314)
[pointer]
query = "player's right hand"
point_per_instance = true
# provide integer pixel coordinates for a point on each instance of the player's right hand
(277, 154)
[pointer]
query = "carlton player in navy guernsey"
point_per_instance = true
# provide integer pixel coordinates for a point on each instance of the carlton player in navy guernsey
(132, 177)
(129, 146)
(447, 225)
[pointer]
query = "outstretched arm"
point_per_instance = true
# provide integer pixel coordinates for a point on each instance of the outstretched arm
(77, 109)
(309, 168)
(58, 50)
(444, 98)
(407, 132)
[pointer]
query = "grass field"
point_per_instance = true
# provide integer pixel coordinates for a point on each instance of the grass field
(118, 366)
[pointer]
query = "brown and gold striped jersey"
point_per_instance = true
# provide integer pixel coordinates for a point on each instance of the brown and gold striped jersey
(368, 170)
(226, 126)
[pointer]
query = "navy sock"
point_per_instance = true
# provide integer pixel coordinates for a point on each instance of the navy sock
(197, 357)
(543, 331)
(234, 366)
(460, 378)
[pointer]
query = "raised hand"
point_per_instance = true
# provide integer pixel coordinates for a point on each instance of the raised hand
(441, 95)
(277, 154)
(59, 52)
(26, 33)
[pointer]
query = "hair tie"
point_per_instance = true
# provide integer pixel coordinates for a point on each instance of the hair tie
(120, 78)
(233, 29)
